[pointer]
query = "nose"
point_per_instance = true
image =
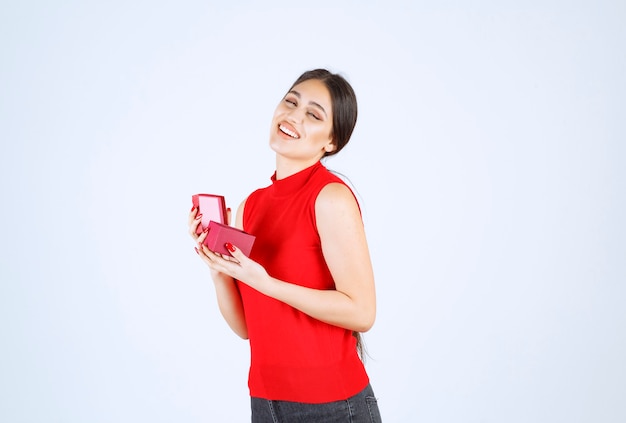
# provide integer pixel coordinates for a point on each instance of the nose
(296, 115)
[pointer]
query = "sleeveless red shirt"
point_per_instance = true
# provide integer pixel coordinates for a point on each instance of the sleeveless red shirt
(295, 357)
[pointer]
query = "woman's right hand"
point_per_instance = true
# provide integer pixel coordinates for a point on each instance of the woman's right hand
(193, 222)
(228, 297)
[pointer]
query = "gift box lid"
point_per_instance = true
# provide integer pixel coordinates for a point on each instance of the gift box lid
(212, 207)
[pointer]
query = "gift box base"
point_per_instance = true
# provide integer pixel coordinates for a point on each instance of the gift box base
(219, 234)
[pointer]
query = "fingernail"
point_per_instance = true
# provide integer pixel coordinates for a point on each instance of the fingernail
(193, 208)
(206, 229)
(198, 217)
(230, 247)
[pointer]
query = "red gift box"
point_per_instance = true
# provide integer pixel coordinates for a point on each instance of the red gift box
(212, 207)
(219, 234)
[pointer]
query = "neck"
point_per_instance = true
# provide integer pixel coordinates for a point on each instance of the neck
(286, 167)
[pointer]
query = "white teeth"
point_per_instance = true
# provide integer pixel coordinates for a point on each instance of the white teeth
(288, 132)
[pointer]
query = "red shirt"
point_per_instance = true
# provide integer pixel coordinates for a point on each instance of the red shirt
(295, 357)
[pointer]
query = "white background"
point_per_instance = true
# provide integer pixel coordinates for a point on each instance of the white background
(488, 158)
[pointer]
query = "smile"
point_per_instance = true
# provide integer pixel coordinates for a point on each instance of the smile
(288, 131)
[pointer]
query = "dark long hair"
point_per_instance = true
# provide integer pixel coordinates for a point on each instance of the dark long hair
(345, 112)
(343, 101)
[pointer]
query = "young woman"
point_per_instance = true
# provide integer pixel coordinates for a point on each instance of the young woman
(307, 289)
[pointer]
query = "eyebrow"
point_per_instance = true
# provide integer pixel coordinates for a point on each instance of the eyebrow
(297, 94)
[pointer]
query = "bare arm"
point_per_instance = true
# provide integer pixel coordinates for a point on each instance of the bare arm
(352, 305)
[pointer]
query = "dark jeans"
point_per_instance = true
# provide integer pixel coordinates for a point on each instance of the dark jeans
(361, 408)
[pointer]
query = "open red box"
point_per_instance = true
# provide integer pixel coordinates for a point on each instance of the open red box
(213, 210)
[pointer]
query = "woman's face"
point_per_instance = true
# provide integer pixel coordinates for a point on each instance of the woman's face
(303, 123)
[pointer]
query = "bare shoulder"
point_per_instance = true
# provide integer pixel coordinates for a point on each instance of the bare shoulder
(336, 202)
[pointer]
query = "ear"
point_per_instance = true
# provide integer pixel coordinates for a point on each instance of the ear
(330, 147)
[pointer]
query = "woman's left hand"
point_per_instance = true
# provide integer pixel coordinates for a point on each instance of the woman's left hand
(237, 265)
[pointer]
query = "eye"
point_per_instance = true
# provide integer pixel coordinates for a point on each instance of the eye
(291, 102)
(314, 116)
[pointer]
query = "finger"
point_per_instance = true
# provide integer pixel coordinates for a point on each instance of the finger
(218, 259)
(211, 255)
(203, 235)
(202, 255)
(230, 258)
(228, 215)
(235, 252)
(208, 256)
(193, 225)
(192, 214)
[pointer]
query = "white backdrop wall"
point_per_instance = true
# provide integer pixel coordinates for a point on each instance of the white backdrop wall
(488, 159)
